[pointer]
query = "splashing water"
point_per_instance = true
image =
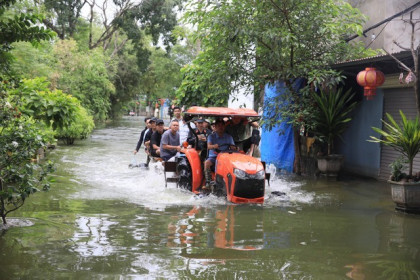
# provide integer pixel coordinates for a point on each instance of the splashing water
(101, 165)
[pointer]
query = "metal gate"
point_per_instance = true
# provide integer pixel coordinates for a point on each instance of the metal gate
(397, 99)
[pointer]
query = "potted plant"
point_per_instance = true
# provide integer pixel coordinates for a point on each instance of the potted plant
(331, 120)
(404, 138)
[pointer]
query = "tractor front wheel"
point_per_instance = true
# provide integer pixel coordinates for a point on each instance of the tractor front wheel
(184, 174)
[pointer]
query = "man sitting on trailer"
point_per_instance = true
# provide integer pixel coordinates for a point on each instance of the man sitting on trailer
(156, 139)
(170, 144)
(219, 140)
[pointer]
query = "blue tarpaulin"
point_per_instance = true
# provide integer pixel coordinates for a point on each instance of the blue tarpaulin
(277, 145)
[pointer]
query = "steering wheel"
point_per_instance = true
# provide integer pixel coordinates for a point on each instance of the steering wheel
(230, 149)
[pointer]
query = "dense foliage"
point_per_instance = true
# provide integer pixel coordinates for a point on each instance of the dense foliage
(105, 59)
(21, 140)
(198, 89)
(247, 43)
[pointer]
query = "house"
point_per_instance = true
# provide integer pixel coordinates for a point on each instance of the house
(363, 157)
(388, 29)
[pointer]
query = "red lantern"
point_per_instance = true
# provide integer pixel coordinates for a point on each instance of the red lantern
(370, 79)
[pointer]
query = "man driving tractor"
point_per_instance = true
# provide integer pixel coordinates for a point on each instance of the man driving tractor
(219, 140)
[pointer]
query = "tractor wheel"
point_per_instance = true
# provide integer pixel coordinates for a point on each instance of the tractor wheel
(184, 174)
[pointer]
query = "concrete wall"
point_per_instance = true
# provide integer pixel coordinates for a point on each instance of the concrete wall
(363, 157)
(378, 10)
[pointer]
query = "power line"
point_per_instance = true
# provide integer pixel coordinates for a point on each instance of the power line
(385, 20)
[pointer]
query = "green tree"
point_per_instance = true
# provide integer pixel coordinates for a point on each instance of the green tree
(79, 128)
(21, 137)
(162, 77)
(196, 87)
(16, 26)
(37, 101)
(31, 62)
(65, 14)
(85, 76)
(252, 41)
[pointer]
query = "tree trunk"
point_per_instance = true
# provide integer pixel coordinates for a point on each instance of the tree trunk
(296, 142)
(2, 206)
(417, 84)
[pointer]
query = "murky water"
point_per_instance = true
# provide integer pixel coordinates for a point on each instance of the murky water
(103, 220)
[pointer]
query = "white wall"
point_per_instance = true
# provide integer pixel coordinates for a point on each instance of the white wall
(238, 99)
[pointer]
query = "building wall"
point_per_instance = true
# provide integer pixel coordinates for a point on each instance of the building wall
(377, 11)
(360, 156)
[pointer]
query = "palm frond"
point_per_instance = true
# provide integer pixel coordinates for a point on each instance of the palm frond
(403, 137)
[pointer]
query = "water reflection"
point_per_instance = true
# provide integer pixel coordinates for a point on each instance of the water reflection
(215, 228)
(91, 237)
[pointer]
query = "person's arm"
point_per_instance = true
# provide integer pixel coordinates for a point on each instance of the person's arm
(166, 145)
(232, 144)
(210, 146)
(170, 147)
(147, 138)
(140, 141)
(156, 138)
(190, 138)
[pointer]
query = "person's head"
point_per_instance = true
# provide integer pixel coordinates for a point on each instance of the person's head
(146, 120)
(159, 125)
(174, 126)
(206, 124)
(236, 120)
(200, 124)
(177, 112)
(219, 125)
(152, 123)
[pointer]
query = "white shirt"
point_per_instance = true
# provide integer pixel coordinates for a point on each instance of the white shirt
(183, 130)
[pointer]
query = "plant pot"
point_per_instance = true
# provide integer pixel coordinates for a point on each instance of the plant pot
(406, 196)
(330, 165)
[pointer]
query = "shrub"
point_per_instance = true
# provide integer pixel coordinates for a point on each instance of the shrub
(80, 128)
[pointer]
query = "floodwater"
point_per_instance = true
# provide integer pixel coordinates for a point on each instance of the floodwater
(103, 220)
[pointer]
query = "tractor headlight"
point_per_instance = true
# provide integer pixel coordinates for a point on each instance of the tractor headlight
(239, 173)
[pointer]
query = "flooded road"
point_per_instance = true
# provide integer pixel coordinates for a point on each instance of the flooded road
(103, 220)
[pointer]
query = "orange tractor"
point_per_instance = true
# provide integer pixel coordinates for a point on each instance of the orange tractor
(237, 176)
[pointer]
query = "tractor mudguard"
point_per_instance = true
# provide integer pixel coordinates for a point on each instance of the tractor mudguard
(196, 168)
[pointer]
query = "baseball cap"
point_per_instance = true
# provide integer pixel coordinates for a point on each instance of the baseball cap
(153, 119)
(200, 120)
(159, 121)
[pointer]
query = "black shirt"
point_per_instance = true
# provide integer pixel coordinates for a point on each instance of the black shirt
(191, 138)
(148, 135)
(141, 139)
(155, 140)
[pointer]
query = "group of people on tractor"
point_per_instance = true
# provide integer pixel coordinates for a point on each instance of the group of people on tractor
(163, 143)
